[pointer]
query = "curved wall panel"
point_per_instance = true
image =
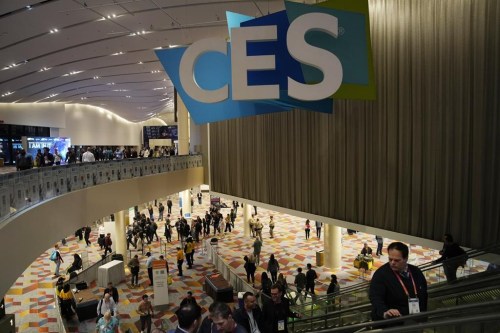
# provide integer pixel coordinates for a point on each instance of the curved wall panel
(29, 233)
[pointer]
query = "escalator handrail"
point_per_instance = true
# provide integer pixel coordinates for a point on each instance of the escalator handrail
(418, 316)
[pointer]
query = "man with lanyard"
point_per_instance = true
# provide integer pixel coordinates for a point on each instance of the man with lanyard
(397, 288)
(249, 316)
(276, 312)
(145, 311)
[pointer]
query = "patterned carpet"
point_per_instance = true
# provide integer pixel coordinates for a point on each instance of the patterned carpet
(31, 298)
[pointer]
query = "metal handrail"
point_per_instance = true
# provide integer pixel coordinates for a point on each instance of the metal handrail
(22, 189)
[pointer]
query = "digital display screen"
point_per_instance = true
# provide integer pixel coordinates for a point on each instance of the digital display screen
(35, 143)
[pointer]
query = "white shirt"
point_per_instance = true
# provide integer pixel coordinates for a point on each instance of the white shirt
(253, 324)
(105, 306)
(88, 157)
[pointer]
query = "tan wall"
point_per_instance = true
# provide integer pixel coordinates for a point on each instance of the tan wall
(24, 237)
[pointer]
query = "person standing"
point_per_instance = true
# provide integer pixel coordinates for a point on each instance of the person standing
(199, 196)
(271, 227)
(57, 259)
(397, 288)
(275, 313)
(258, 229)
(250, 315)
(334, 290)
(189, 299)
(189, 251)
(180, 260)
(318, 229)
(300, 283)
(307, 229)
(88, 157)
(169, 206)
(380, 245)
(251, 223)
(134, 269)
(57, 157)
(149, 266)
(250, 268)
(311, 277)
(161, 209)
(146, 312)
(257, 247)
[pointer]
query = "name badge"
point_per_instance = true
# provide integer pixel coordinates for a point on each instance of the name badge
(281, 325)
(413, 305)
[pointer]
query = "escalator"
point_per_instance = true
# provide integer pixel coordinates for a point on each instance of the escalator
(352, 305)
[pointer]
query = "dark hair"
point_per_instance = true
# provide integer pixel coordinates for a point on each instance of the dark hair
(309, 265)
(187, 315)
(278, 286)
(299, 269)
(246, 295)
(401, 247)
(145, 296)
(334, 278)
(148, 254)
(448, 238)
(221, 310)
(66, 288)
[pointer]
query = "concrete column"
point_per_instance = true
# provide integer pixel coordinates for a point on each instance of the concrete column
(186, 201)
(183, 127)
(120, 239)
(247, 214)
(332, 245)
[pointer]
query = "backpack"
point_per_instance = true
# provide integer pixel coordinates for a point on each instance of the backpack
(53, 256)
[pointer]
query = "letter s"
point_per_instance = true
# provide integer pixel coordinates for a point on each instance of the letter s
(322, 59)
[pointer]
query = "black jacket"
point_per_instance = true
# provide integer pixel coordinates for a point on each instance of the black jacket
(273, 313)
(241, 317)
(387, 293)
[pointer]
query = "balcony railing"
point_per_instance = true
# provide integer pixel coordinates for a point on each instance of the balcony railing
(22, 189)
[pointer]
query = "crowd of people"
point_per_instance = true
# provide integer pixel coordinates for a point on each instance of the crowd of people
(397, 288)
(48, 157)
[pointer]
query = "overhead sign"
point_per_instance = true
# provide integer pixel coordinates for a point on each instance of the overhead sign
(299, 58)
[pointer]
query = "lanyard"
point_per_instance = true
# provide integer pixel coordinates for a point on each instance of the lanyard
(403, 285)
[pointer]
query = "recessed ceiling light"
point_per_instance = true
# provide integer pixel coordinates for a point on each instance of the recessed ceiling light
(155, 71)
(7, 93)
(54, 30)
(44, 69)
(140, 62)
(72, 73)
(172, 45)
(160, 88)
(96, 77)
(158, 48)
(28, 7)
(83, 98)
(111, 16)
(118, 53)
(128, 96)
(164, 99)
(110, 84)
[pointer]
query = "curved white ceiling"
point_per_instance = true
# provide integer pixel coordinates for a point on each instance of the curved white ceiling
(102, 53)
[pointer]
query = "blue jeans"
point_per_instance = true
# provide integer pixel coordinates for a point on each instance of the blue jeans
(58, 264)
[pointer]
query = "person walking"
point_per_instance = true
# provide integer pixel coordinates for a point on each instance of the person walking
(250, 268)
(273, 267)
(318, 229)
(146, 312)
(86, 235)
(452, 257)
(57, 259)
(300, 283)
(180, 260)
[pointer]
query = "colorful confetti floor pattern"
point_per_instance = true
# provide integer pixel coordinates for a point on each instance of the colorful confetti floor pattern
(31, 298)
